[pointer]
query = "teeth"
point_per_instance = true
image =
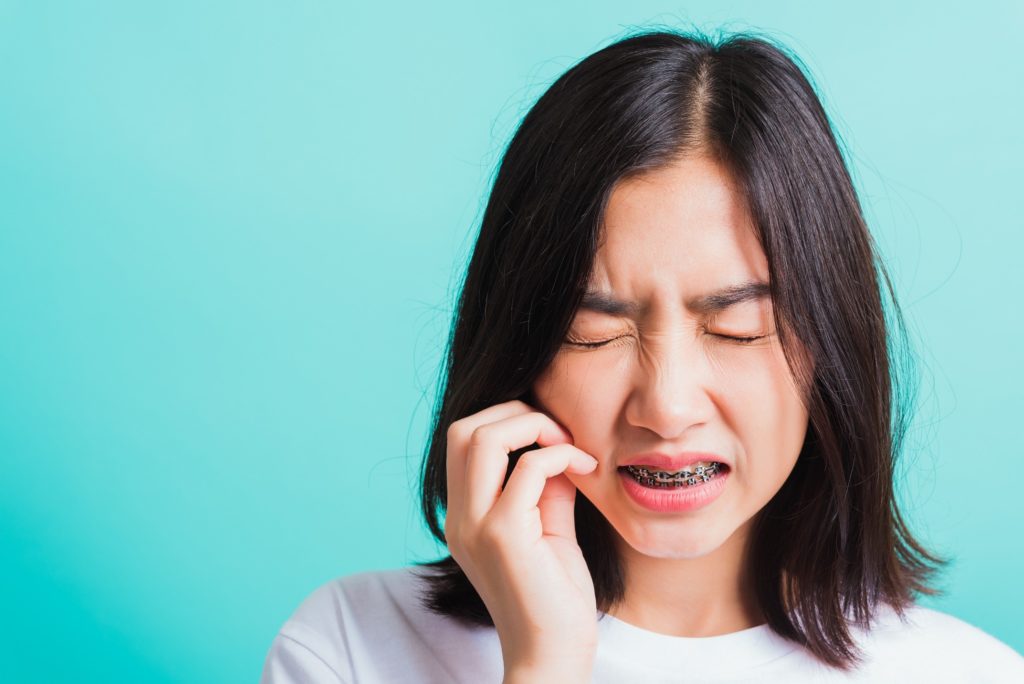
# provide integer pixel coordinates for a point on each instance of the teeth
(701, 472)
(692, 469)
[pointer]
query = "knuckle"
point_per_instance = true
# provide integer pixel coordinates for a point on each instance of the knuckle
(454, 433)
(489, 536)
(531, 462)
(482, 437)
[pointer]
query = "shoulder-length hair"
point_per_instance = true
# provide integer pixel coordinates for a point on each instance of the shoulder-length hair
(831, 544)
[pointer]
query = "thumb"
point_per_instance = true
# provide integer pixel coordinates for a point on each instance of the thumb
(557, 507)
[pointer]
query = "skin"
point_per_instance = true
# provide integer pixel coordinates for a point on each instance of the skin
(667, 383)
(517, 543)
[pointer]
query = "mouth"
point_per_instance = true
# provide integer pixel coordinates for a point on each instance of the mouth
(690, 477)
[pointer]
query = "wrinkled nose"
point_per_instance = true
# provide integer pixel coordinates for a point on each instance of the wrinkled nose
(670, 392)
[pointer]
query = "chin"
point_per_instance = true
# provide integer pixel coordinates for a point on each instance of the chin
(671, 540)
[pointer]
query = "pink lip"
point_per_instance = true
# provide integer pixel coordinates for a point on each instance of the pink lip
(672, 462)
(674, 500)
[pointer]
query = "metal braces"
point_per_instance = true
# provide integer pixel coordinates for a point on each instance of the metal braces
(658, 478)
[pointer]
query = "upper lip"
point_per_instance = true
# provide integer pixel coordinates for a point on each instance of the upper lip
(673, 462)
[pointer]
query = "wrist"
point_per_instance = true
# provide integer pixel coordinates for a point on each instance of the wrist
(546, 676)
(545, 661)
(548, 672)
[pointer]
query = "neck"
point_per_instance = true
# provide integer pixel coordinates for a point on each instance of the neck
(690, 597)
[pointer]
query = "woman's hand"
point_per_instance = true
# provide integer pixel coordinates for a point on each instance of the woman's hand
(518, 545)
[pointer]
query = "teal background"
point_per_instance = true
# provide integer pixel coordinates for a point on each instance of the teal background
(230, 234)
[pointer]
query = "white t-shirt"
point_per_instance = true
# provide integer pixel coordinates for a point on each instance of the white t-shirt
(370, 627)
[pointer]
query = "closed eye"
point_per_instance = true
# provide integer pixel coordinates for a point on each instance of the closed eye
(740, 340)
(601, 343)
(589, 345)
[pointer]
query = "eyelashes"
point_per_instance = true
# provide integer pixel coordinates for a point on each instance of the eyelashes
(740, 340)
(589, 345)
(602, 343)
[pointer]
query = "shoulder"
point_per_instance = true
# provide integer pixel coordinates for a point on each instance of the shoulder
(925, 642)
(370, 625)
(927, 626)
(350, 596)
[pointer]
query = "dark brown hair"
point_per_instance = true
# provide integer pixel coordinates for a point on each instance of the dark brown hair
(831, 544)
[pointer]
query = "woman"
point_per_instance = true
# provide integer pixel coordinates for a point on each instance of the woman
(664, 449)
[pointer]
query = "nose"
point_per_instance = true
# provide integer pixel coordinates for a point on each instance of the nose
(670, 391)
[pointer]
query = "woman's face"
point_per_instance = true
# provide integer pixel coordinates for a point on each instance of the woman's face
(668, 380)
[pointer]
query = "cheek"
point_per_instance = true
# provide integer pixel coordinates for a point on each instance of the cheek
(583, 393)
(774, 419)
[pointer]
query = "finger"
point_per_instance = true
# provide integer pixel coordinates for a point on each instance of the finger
(487, 456)
(459, 434)
(527, 482)
(557, 506)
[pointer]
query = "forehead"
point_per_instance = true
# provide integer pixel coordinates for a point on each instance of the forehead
(684, 228)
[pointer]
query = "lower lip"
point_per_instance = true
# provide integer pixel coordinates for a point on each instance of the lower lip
(676, 500)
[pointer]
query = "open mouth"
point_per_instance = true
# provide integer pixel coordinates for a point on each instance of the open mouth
(692, 476)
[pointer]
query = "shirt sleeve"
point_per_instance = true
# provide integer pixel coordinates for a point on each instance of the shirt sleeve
(291, 661)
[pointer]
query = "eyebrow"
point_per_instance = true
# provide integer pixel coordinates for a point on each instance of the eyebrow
(706, 304)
